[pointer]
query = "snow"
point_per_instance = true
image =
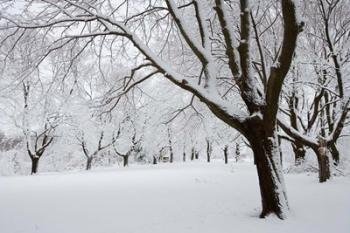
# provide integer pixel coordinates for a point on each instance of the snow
(181, 197)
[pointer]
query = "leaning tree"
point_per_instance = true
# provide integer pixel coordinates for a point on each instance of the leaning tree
(207, 51)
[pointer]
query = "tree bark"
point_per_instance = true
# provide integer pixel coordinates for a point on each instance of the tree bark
(125, 161)
(280, 150)
(154, 160)
(237, 152)
(226, 154)
(268, 164)
(208, 151)
(196, 155)
(299, 153)
(88, 163)
(335, 153)
(171, 157)
(322, 154)
(35, 165)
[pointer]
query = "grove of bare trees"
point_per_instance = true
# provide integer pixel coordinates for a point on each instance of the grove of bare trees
(272, 72)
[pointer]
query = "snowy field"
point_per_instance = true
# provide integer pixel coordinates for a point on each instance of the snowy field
(179, 198)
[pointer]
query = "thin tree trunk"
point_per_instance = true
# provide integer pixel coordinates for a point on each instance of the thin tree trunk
(208, 151)
(35, 165)
(226, 154)
(268, 164)
(196, 154)
(184, 156)
(154, 160)
(171, 158)
(280, 150)
(193, 152)
(237, 152)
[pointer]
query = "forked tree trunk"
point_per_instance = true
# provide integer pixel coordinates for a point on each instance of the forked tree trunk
(35, 165)
(88, 163)
(125, 161)
(268, 164)
(299, 153)
(154, 160)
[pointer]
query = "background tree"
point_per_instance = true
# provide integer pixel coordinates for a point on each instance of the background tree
(91, 155)
(134, 149)
(318, 123)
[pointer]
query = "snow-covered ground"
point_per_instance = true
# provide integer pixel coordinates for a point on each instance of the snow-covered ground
(191, 197)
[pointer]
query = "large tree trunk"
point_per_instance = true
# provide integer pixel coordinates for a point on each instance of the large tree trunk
(88, 163)
(322, 153)
(35, 165)
(299, 153)
(269, 169)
